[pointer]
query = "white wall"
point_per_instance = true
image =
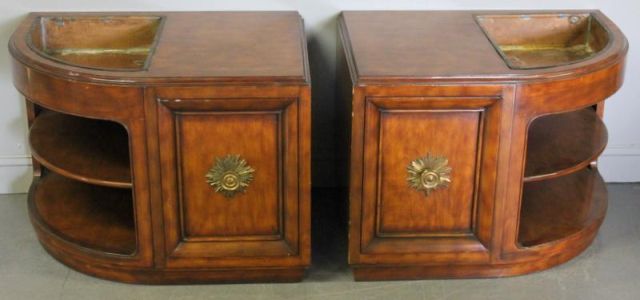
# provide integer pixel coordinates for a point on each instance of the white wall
(620, 162)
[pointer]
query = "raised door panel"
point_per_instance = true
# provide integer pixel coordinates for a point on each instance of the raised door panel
(426, 197)
(204, 138)
(407, 136)
(208, 226)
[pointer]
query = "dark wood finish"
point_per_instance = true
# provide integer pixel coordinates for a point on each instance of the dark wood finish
(214, 83)
(93, 217)
(551, 153)
(520, 139)
(91, 151)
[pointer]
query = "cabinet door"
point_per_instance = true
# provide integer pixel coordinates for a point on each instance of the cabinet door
(230, 181)
(429, 165)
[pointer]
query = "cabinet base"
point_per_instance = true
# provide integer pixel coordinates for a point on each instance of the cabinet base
(169, 276)
(138, 268)
(416, 272)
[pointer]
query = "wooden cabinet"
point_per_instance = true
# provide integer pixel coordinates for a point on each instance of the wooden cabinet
(472, 149)
(180, 153)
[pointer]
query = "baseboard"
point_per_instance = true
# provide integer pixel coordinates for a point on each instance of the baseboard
(15, 161)
(15, 174)
(618, 163)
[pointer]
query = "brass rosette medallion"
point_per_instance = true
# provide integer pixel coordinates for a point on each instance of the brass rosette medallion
(230, 175)
(429, 173)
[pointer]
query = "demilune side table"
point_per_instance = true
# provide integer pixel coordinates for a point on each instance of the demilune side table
(169, 147)
(474, 136)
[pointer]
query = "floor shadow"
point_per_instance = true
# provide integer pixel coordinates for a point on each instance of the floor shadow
(329, 194)
(329, 233)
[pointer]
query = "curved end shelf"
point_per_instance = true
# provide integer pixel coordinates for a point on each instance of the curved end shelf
(86, 216)
(73, 217)
(563, 143)
(555, 210)
(88, 150)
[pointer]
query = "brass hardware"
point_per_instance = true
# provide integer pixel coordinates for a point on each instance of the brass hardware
(429, 173)
(574, 19)
(98, 51)
(544, 40)
(230, 175)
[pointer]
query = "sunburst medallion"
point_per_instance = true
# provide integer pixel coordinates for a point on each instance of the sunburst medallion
(230, 175)
(429, 173)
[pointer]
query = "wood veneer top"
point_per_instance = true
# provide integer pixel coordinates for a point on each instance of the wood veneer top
(445, 45)
(198, 46)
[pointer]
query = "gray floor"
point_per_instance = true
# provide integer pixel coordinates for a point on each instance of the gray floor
(609, 269)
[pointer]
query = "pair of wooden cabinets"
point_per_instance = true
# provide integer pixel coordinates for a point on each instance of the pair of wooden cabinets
(175, 147)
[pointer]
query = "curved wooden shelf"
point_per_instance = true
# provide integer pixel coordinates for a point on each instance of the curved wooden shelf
(555, 209)
(92, 217)
(560, 144)
(88, 150)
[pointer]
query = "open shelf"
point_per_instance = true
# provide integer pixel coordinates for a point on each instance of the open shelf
(555, 209)
(559, 144)
(93, 217)
(92, 151)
